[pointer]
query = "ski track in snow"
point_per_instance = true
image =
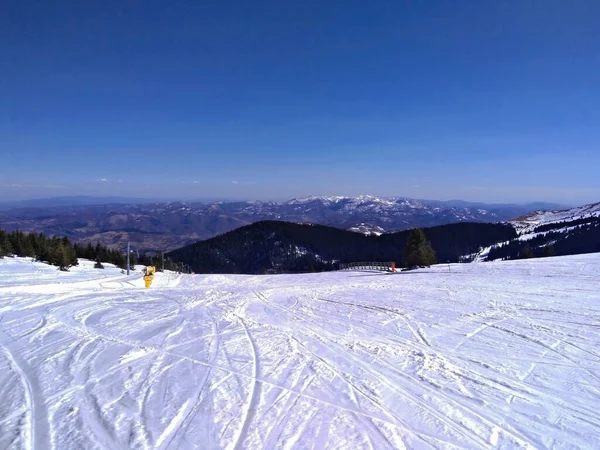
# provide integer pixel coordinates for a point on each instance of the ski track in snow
(494, 355)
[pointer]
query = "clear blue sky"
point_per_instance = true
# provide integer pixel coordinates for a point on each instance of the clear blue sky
(493, 101)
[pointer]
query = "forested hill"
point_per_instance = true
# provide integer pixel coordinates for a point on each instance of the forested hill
(568, 237)
(283, 247)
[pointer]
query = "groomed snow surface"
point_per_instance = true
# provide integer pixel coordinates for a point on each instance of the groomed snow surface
(502, 354)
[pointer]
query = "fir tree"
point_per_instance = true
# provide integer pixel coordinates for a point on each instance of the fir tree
(526, 252)
(549, 251)
(5, 247)
(71, 255)
(418, 251)
(159, 261)
(17, 243)
(59, 256)
(132, 261)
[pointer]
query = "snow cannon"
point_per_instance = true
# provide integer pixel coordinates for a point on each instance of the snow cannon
(149, 275)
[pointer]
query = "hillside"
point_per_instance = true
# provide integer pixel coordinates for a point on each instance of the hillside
(471, 356)
(171, 225)
(539, 218)
(549, 233)
(280, 247)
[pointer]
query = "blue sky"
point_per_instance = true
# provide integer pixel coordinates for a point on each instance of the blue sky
(487, 101)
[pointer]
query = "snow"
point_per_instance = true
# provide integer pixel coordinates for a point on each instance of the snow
(501, 354)
(360, 201)
(314, 198)
(527, 223)
(525, 226)
(367, 229)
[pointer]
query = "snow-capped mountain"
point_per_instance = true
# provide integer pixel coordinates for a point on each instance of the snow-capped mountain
(169, 225)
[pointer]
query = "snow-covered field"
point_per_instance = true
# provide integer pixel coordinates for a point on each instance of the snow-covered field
(503, 354)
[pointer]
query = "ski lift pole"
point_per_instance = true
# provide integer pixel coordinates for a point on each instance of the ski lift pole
(128, 258)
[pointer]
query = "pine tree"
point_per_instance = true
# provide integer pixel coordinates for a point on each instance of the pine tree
(132, 261)
(526, 252)
(32, 244)
(5, 247)
(549, 251)
(59, 255)
(98, 264)
(64, 262)
(90, 253)
(71, 255)
(159, 261)
(146, 260)
(16, 241)
(418, 251)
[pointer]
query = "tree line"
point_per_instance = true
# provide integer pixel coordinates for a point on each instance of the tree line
(576, 237)
(57, 251)
(61, 252)
(283, 247)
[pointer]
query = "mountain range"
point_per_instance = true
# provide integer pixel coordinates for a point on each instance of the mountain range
(281, 247)
(170, 225)
(284, 247)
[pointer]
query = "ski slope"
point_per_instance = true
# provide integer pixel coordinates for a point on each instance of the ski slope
(492, 355)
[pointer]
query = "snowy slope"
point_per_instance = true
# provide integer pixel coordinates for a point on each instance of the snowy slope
(530, 221)
(501, 354)
(561, 223)
(23, 271)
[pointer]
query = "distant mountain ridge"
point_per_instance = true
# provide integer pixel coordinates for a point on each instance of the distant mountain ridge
(75, 200)
(170, 225)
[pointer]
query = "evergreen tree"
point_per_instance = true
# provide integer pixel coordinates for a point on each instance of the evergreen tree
(132, 261)
(549, 251)
(146, 260)
(59, 256)
(16, 242)
(31, 244)
(159, 261)
(58, 251)
(526, 252)
(418, 251)
(44, 253)
(170, 265)
(28, 249)
(71, 255)
(5, 247)
(98, 264)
